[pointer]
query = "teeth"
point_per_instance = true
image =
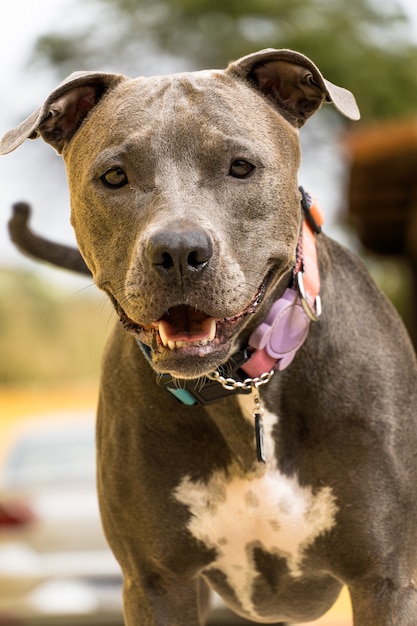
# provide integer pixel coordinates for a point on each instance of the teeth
(163, 335)
(172, 344)
(212, 332)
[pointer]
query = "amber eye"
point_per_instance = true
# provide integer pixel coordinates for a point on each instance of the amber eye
(115, 177)
(241, 168)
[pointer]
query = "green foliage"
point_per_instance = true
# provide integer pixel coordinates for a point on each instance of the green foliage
(48, 334)
(361, 44)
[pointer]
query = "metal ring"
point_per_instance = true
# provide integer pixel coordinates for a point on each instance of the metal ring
(311, 314)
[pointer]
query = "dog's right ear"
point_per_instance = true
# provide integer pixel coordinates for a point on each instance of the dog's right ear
(63, 112)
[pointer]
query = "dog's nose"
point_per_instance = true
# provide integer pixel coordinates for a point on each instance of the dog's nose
(184, 250)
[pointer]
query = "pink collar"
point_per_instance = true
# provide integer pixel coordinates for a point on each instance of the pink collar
(276, 341)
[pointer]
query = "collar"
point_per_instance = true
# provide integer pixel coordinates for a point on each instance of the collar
(274, 344)
(276, 341)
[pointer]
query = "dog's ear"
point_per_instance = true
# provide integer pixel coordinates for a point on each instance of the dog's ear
(293, 83)
(63, 112)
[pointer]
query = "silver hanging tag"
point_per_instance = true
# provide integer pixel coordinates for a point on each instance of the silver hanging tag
(259, 429)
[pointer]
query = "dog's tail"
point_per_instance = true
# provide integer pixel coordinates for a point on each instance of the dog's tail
(40, 248)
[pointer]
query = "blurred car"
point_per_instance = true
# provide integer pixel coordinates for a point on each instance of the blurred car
(55, 565)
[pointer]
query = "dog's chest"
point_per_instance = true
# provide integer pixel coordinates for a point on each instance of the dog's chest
(237, 513)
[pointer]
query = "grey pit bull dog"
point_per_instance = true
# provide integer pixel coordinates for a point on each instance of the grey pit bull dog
(244, 440)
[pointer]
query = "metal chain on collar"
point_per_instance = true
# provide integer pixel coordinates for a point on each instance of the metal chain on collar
(253, 385)
(231, 384)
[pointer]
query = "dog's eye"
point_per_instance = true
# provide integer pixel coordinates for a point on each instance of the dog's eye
(115, 177)
(241, 168)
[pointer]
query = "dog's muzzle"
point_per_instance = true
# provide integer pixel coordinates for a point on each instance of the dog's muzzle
(188, 342)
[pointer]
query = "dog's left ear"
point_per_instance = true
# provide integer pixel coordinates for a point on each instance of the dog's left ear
(293, 83)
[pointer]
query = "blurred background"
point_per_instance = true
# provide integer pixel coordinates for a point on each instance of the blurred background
(53, 325)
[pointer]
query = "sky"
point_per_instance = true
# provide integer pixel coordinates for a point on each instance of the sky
(23, 174)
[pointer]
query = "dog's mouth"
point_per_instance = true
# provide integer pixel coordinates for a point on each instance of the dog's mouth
(185, 332)
(182, 327)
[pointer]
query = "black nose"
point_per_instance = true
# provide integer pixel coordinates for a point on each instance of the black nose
(180, 249)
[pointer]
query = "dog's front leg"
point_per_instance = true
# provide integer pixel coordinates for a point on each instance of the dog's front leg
(167, 603)
(384, 603)
(146, 444)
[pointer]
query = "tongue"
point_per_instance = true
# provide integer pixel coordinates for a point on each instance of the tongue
(185, 324)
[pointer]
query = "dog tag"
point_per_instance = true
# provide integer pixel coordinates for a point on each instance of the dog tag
(259, 434)
(259, 428)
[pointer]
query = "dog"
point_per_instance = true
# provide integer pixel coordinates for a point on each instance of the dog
(256, 425)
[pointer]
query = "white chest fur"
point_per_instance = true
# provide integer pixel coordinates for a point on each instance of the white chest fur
(234, 511)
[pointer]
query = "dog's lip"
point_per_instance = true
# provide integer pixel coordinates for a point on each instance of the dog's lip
(185, 329)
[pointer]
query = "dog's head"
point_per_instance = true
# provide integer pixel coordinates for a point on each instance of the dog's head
(184, 193)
